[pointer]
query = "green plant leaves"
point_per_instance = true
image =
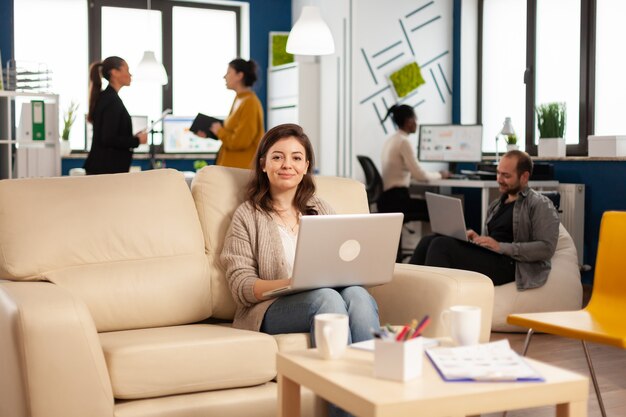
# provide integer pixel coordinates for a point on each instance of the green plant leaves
(551, 119)
(68, 120)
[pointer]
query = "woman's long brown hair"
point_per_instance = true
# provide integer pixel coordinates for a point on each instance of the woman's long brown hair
(258, 191)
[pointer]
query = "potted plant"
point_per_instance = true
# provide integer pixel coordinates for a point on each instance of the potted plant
(511, 142)
(551, 119)
(69, 117)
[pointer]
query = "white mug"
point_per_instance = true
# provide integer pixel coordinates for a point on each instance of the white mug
(331, 335)
(463, 323)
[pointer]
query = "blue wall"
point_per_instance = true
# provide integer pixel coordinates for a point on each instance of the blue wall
(266, 16)
(6, 30)
(605, 189)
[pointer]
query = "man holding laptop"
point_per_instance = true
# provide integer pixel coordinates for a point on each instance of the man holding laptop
(521, 232)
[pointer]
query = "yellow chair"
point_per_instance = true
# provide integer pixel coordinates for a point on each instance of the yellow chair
(602, 321)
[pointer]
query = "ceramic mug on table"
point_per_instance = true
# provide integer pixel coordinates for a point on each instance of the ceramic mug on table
(331, 335)
(463, 323)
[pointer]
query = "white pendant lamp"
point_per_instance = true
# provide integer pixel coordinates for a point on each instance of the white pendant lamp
(151, 70)
(310, 35)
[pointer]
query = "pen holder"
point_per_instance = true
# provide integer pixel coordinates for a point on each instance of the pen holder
(398, 361)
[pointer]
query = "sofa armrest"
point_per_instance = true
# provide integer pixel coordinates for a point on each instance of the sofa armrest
(419, 290)
(51, 360)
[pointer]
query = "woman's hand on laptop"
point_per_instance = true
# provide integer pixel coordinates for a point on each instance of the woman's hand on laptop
(263, 285)
(487, 242)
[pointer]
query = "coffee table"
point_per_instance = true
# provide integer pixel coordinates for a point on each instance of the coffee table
(348, 383)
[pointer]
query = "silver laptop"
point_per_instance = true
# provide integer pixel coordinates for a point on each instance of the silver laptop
(446, 216)
(340, 250)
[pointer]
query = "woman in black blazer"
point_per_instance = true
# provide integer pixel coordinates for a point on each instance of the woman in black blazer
(113, 139)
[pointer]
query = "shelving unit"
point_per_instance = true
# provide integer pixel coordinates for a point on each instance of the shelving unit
(22, 157)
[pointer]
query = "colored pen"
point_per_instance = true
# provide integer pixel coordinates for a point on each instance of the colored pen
(420, 327)
(411, 331)
(400, 335)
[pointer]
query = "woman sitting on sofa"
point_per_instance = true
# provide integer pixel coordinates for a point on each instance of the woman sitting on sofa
(260, 246)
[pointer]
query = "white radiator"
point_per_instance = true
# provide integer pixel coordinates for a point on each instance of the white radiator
(573, 214)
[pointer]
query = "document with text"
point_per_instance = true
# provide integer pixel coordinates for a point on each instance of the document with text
(494, 362)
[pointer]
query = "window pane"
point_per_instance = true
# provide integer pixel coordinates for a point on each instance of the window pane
(127, 33)
(558, 59)
(62, 47)
(200, 60)
(610, 64)
(504, 62)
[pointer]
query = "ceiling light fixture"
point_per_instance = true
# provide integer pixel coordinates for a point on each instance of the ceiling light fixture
(310, 35)
(149, 69)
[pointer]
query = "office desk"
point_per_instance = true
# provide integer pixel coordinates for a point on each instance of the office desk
(484, 185)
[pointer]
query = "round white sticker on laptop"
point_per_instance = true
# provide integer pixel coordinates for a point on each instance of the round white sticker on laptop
(349, 250)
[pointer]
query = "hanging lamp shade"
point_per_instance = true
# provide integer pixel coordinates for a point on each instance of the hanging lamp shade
(310, 35)
(151, 70)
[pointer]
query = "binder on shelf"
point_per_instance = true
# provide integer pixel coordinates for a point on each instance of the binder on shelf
(38, 120)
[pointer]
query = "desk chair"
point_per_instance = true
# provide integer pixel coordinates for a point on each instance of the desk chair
(374, 189)
(373, 180)
(602, 321)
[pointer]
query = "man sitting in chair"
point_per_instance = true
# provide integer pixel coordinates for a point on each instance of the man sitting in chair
(521, 232)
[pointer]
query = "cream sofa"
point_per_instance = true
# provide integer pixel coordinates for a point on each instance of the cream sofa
(111, 290)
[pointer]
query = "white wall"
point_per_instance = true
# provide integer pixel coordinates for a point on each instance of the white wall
(372, 39)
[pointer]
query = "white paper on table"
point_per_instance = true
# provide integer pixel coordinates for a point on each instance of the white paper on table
(494, 361)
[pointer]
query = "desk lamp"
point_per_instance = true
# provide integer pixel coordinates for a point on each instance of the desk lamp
(507, 129)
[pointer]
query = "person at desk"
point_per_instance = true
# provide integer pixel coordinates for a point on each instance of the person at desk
(259, 247)
(243, 128)
(399, 164)
(113, 139)
(522, 229)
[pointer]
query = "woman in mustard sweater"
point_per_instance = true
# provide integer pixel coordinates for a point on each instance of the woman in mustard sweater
(242, 130)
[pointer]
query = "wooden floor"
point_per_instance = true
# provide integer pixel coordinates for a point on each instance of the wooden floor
(609, 364)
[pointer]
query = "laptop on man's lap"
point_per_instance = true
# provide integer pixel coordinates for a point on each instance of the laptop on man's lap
(341, 250)
(446, 217)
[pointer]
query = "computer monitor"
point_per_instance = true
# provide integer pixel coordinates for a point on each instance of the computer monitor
(450, 143)
(138, 122)
(177, 138)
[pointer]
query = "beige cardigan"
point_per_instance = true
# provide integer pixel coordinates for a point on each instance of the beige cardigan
(253, 250)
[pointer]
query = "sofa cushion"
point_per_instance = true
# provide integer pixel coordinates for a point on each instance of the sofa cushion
(290, 342)
(561, 292)
(123, 243)
(183, 359)
(212, 190)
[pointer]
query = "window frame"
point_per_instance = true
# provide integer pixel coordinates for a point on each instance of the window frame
(587, 75)
(94, 25)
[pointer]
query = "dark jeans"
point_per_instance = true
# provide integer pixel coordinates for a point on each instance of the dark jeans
(448, 252)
